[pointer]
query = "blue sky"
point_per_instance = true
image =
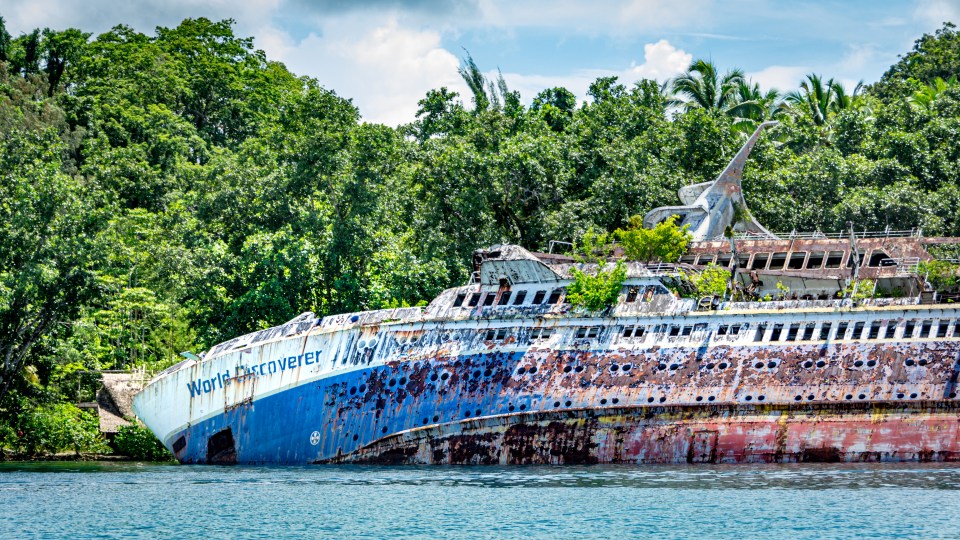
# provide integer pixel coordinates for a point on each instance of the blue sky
(386, 54)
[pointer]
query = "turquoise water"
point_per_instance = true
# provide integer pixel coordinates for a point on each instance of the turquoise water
(78, 500)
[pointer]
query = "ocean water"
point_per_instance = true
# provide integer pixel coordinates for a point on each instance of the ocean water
(123, 500)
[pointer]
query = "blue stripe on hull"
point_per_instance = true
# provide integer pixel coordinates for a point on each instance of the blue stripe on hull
(354, 409)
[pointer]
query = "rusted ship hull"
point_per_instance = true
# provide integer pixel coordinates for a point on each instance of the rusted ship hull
(704, 434)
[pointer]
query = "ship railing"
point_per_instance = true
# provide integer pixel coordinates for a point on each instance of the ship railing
(814, 235)
(833, 303)
(907, 266)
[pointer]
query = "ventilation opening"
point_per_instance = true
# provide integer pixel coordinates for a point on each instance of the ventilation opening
(179, 444)
(221, 449)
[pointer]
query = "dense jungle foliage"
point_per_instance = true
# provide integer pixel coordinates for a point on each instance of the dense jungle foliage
(161, 193)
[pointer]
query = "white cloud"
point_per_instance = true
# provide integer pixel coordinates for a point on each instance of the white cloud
(385, 69)
(782, 78)
(935, 12)
(661, 61)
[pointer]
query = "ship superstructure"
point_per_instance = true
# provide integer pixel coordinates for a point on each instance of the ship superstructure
(504, 370)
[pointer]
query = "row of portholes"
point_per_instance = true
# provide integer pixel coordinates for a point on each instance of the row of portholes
(770, 365)
(532, 370)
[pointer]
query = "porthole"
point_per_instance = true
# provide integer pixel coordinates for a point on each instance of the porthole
(749, 398)
(436, 418)
(848, 396)
(426, 421)
(487, 372)
(533, 370)
(362, 388)
(567, 369)
(711, 398)
(761, 397)
(673, 367)
(699, 398)
(476, 374)
(614, 367)
(650, 399)
(913, 396)
(808, 364)
(710, 366)
(626, 367)
(722, 365)
(858, 363)
(603, 401)
(662, 367)
(444, 376)
(392, 382)
(568, 403)
(797, 398)
(909, 362)
(355, 436)
(384, 430)
(771, 364)
(615, 401)
(922, 361)
(353, 390)
(556, 404)
(952, 395)
(433, 376)
(578, 369)
(521, 371)
(477, 412)
(758, 365)
(871, 363)
(663, 398)
(510, 408)
(821, 363)
(810, 397)
(466, 414)
(862, 396)
(523, 407)
(403, 381)
(900, 395)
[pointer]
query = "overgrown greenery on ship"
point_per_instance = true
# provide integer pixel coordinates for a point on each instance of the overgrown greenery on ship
(164, 192)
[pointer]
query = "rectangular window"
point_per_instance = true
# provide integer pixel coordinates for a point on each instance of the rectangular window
(825, 331)
(687, 330)
(627, 331)
(857, 330)
(777, 330)
(796, 260)
(519, 298)
(638, 333)
(841, 331)
(761, 330)
(489, 298)
(850, 259)
(735, 329)
(760, 261)
(474, 299)
(706, 259)
(793, 331)
(743, 260)
(504, 298)
(632, 294)
(808, 331)
(816, 260)
(925, 328)
(834, 259)
(581, 333)
(688, 259)
(724, 259)
(502, 334)
(555, 296)
(593, 332)
(880, 258)
(538, 298)
(490, 335)
(874, 330)
(942, 328)
(459, 300)
(891, 329)
(778, 260)
(722, 331)
(546, 333)
(908, 329)
(674, 331)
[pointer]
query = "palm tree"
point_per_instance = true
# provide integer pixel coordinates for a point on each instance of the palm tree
(925, 96)
(703, 87)
(821, 98)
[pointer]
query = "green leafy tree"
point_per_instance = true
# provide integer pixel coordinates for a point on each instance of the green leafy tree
(666, 242)
(598, 290)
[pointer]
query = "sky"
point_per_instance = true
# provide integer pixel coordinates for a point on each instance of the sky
(386, 54)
